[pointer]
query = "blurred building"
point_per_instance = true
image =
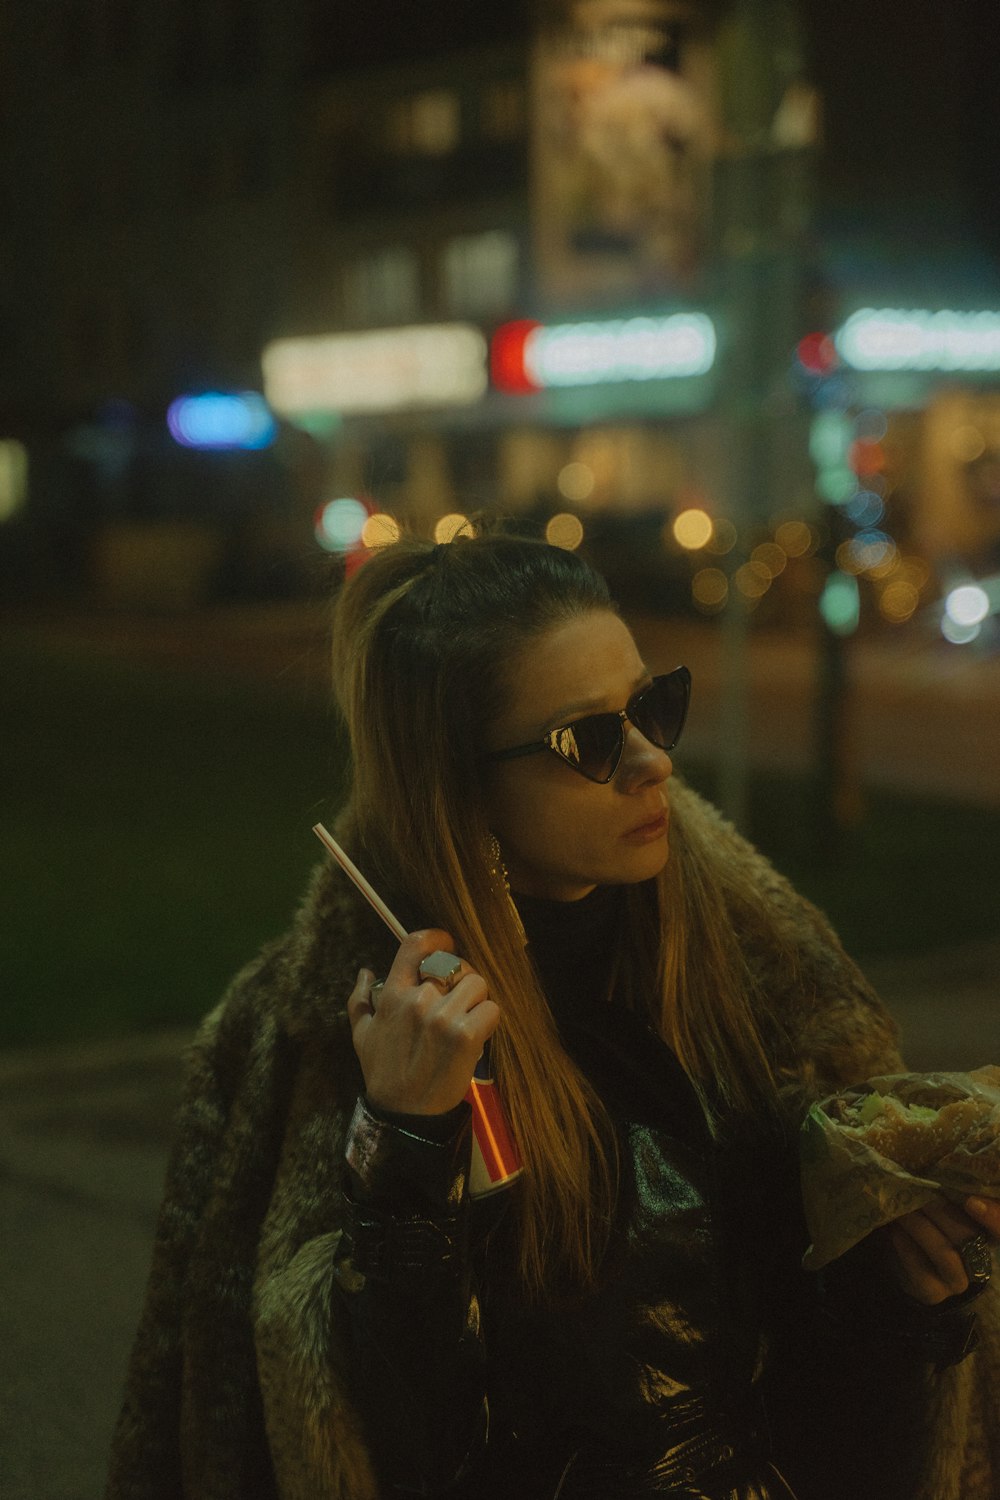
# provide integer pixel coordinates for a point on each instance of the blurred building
(593, 264)
(148, 185)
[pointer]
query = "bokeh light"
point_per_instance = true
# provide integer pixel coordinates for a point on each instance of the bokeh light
(914, 570)
(830, 437)
(710, 589)
(959, 635)
(865, 508)
(967, 443)
(817, 353)
(723, 538)
(753, 580)
(871, 424)
(840, 603)
(380, 530)
(564, 531)
(869, 552)
(968, 605)
(339, 524)
(448, 527)
(898, 601)
(770, 556)
(575, 481)
(692, 529)
(795, 538)
(867, 457)
(837, 485)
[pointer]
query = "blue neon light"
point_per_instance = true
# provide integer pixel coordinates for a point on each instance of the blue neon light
(216, 419)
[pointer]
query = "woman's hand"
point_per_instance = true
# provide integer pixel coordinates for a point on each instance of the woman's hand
(924, 1246)
(419, 1048)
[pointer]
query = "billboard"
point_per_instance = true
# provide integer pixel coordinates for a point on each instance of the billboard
(623, 131)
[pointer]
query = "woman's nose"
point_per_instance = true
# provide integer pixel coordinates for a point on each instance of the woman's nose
(643, 763)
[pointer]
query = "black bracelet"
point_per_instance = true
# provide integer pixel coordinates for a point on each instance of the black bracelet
(387, 1247)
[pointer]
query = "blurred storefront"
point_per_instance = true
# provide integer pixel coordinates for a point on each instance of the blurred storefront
(621, 203)
(575, 277)
(616, 320)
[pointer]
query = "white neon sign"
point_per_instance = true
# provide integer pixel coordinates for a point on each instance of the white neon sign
(891, 338)
(385, 370)
(623, 349)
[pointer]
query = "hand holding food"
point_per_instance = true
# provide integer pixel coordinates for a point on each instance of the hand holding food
(889, 1147)
(943, 1249)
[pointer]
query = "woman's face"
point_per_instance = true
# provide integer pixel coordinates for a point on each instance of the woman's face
(559, 833)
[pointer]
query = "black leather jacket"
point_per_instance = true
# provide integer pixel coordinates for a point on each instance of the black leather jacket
(619, 1391)
(668, 1378)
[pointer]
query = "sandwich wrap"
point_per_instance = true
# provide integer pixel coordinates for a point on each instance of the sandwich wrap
(883, 1148)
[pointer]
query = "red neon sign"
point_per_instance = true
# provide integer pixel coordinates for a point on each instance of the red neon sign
(507, 357)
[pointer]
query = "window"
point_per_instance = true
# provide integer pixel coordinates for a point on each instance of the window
(382, 288)
(481, 273)
(426, 124)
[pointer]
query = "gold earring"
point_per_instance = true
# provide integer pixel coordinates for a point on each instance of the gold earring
(498, 870)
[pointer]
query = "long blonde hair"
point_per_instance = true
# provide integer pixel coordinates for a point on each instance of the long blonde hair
(424, 639)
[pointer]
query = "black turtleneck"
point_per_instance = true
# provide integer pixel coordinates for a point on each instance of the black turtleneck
(573, 945)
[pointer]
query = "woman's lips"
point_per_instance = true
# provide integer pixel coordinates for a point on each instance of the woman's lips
(646, 833)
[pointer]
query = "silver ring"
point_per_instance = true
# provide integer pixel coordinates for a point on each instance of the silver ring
(375, 991)
(442, 967)
(977, 1259)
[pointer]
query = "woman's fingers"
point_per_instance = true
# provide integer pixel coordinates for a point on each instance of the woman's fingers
(928, 1244)
(914, 1270)
(985, 1214)
(359, 1005)
(936, 1256)
(419, 1041)
(416, 946)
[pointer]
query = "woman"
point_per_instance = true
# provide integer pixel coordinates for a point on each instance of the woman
(332, 1313)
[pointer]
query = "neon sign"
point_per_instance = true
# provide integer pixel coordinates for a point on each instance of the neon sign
(385, 370)
(891, 338)
(219, 420)
(528, 356)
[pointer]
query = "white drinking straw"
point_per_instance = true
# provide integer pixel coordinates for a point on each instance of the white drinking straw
(495, 1158)
(350, 868)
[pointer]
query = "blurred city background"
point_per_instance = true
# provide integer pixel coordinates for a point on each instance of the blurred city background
(709, 289)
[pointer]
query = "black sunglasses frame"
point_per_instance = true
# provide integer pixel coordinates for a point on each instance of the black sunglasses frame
(680, 676)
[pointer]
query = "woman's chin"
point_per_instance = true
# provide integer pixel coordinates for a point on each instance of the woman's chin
(642, 863)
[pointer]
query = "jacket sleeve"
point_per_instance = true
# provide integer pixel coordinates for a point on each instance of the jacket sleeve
(417, 1353)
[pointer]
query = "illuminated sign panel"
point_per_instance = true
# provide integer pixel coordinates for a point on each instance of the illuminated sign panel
(891, 338)
(529, 356)
(625, 122)
(385, 370)
(216, 419)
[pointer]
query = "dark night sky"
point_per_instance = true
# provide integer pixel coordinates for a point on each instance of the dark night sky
(910, 89)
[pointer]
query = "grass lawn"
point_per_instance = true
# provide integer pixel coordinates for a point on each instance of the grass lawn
(156, 831)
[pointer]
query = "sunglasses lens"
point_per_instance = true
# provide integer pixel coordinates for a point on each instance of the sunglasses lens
(592, 745)
(660, 711)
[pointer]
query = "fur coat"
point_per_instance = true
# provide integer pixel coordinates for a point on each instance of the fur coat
(237, 1388)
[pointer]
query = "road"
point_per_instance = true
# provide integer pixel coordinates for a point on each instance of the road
(921, 715)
